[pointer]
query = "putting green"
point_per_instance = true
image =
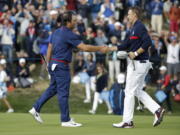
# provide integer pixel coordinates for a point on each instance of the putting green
(24, 124)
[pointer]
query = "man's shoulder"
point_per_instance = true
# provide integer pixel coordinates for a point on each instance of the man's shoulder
(140, 26)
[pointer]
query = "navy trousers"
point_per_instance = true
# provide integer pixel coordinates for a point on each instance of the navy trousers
(60, 84)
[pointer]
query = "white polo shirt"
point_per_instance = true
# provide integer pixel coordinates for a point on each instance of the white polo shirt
(173, 53)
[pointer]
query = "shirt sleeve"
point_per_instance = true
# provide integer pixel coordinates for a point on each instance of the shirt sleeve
(125, 44)
(50, 38)
(74, 39)
(145, 38)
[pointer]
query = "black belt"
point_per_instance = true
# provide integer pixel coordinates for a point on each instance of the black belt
(143, 61)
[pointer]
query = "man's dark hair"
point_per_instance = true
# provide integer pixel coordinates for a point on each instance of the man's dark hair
(137, 11)
(65, 17)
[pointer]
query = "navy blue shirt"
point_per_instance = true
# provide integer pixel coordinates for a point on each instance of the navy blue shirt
(136, 38)
(63, 41)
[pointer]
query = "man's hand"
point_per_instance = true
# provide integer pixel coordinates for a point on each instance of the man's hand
(104, 49)
(131, 55)
(113, 48)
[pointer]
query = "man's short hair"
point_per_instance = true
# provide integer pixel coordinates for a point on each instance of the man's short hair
(136, 10)
(65, 17)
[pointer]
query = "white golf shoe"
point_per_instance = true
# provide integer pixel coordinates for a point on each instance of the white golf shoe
(36, 115)
(70, 123)
(124, 125)
(158, 117)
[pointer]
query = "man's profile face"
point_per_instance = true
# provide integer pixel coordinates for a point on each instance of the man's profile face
(73, 21)
(131, 16)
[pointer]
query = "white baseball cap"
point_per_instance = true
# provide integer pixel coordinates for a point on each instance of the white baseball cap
(22, 60)
(3, 61)
(121, 78)
(163, 68)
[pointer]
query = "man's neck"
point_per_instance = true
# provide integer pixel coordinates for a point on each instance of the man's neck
(134, 22)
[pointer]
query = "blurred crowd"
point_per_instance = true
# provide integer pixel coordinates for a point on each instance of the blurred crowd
(26, 27)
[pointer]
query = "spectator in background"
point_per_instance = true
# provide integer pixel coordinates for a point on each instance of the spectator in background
(173, 48)
(90, 68)
(8, 70)
(166, 9)
(114, 63)
(95, 6)
(71, 4)
(84, 10)
(163, 83)
(101, 39)
(58, 3)
(156, 15)
(3, 89)
(7, 33)
(155, 57)
(30, 38)
(89, 38)
(174, 16)
(133, 3)
(23, 78)
(107, 9)
(23, 17)
(116, 31)
(101, 85)
(79, 63)
(81, 25)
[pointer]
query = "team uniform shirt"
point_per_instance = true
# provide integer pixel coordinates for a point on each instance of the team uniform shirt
(63, 41)
(136, 38)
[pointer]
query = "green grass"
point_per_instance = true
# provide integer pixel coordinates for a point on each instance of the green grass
(24, 124)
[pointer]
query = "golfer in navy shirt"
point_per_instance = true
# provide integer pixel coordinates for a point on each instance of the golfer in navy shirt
(137, 43)
(59, 55)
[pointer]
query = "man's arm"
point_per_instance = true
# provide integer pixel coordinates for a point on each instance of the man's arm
(91, 48)
(49, 53)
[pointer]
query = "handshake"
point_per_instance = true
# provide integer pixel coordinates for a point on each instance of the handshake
(106, 49)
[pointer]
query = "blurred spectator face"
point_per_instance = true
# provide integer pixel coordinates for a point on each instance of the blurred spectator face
(13, 10)
(114, 40)
(31, 24)
(162, 72)
(19, 7)
(173, 40)
(100, 69)
(90, 57)
(49, 6)
(156, 42)
(6, 22)
(107, 1)
(31, 8)
(88, 30)
(100, 33)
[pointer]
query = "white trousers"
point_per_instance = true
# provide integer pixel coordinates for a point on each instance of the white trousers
(136, 73)
(90, 85)
(114, 69)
